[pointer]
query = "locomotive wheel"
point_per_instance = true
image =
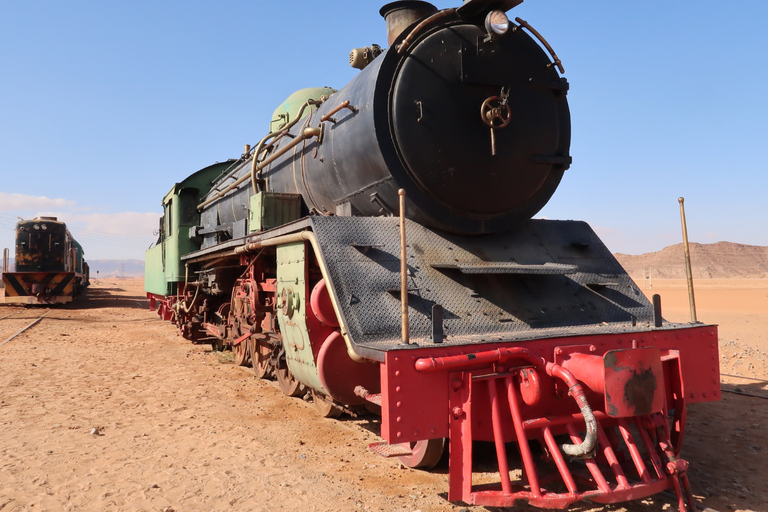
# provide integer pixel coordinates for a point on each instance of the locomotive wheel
(242, 353)
(260, 356)
(287, 382)
(426, 454)
(324, 406)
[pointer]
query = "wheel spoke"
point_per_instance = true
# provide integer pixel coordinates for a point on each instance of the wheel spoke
(287, 382)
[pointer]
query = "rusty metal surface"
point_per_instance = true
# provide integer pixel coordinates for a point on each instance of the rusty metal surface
(42, 246)
(39, 287)
(634, 382)
(542, 280)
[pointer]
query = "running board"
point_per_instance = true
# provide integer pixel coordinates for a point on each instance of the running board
(508, 268)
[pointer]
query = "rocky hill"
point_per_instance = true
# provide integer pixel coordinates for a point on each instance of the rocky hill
(708, 261)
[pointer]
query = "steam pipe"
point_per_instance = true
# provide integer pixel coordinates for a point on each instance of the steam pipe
(310, 237)
(585, 449)
(305, 134)
(468, 361)
(409, 38)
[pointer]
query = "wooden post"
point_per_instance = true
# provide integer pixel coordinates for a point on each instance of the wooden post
(688, 272)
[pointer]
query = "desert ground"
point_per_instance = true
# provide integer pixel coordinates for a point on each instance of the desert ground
(104, 408)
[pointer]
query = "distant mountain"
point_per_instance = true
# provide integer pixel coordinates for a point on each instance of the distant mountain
(116, 268)
(708, 261)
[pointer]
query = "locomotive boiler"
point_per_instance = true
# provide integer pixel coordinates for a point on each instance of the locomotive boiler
(50, 266)
(376, 249)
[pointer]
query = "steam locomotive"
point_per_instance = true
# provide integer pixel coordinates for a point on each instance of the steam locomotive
(376, 249)
(50, 266)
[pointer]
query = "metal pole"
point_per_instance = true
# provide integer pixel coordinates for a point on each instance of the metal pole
(6, 260)
(688, 273)
(403, 271)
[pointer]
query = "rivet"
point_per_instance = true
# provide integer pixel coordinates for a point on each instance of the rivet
(397, 389)
(399, 419)
(399, 434)
(397, 359)
(397, 373)
(399, 404)
(416, 432)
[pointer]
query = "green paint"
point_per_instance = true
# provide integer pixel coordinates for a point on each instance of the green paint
(288, 111)
(292, 292)
(271, 209)
(163, 267)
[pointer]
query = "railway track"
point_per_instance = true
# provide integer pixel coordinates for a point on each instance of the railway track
(19, 321)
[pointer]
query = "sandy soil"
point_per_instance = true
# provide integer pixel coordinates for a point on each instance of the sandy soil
(104, 408)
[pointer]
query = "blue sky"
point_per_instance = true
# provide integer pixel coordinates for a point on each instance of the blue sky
(105, 105)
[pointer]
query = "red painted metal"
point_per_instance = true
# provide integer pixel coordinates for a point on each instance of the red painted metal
(339, 374)
(631, 384)
(322, 307)
(163, 305)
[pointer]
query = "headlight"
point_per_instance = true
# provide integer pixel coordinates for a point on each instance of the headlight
(496, 23)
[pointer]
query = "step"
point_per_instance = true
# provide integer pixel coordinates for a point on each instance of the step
(390, 450)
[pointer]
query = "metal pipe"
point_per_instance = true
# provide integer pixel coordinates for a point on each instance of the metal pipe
(312, 239)
(405, 335)
(586, 448)
(343, 104)
(498, 437)
(306, 133)
(688, 273)
(418, 28)
(6, 260)
(254, 165)
(522, 440)
(555, 58)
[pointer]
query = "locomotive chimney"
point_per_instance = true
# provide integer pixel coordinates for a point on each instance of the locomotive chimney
(402, 14)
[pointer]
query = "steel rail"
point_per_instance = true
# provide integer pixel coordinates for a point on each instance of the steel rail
(742, 377)
(751, 395)
(35, 322)
(6, 316)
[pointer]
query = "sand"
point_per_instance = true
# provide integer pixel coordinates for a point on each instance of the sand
(104, 408)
